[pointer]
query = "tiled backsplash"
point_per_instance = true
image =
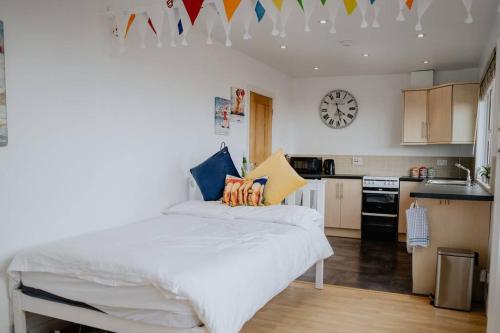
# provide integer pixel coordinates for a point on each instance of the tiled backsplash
(398, 165)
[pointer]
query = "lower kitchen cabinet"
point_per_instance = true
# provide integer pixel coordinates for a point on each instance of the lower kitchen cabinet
(343, 207)
(405, 188)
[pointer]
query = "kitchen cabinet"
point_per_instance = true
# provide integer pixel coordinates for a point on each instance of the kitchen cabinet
(405, 188)
(452, 223)
(343, 204)
(415, 116)
(440, 115)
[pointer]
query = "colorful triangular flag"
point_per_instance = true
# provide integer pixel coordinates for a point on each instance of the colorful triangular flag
(193, 8)
(151, 25)
(230, 7)
(323, 2)
(260, 11)
(301, 4)
(278, 4)
(180, 28)
(350, 6)
(372, 2)
(409, 4)
(155, 21)
(129, 24)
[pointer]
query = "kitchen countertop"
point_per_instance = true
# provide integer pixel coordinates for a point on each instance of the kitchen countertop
(451, 192)
(339, 176)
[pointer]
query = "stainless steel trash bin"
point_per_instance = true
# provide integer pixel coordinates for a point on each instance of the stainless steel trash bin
(454, 276)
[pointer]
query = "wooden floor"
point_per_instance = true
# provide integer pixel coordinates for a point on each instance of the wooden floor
(301, 308)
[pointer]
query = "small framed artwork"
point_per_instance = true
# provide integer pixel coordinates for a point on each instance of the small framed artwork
(3, 92)
(238, 98)
(221, 114)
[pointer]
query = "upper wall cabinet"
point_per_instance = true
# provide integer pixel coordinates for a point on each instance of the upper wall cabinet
(440, 115)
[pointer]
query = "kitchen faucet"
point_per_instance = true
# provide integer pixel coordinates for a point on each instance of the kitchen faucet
(469, 180)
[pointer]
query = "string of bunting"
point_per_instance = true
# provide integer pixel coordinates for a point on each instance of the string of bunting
(181, 15)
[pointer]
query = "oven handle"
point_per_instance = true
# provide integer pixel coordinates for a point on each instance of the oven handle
(380, 192)
(380, 215)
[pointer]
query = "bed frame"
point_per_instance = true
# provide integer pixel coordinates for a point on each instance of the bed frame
(312, 195)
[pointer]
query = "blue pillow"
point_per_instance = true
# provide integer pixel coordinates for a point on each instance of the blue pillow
(211, 174)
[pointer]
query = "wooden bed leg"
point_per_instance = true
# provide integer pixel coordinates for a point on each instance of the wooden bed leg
(319, 275)
(19, 314)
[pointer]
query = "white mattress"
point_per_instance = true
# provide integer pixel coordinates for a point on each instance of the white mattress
(142, 303)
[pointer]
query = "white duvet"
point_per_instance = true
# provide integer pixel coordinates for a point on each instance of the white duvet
(227, 262)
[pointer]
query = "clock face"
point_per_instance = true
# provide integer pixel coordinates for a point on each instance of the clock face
(338, 109)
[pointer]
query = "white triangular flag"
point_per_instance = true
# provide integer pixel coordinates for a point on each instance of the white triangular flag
(468, 6)
(422, 6)
(286, 10)
(155, 14)
(309, 6)
(376, 14)
(221, 11)
(211, 16)
(186, 22)
(333, 10)
(173, 20)
(121, 22)
(142, 25)
(363, 6)
(248, 9)
(272, 13)
(401, 17)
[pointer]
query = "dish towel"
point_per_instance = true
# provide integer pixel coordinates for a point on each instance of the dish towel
(417, 227)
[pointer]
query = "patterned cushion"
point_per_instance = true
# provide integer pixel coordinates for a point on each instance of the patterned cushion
(244, 192)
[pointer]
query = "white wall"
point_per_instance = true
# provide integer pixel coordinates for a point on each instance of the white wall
(377, 128)
(97, 139)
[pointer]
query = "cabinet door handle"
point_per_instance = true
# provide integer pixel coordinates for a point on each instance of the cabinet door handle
(341, 191)
(337, 191)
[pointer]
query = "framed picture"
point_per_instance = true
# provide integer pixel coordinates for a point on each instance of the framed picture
(3, 94)
(221, 114)
(238, 98)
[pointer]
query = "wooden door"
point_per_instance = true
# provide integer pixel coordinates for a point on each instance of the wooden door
(415, 116)
(332, 203)
(465, 101)
(405, 202)
(439, 116)
(261, 124)
(351, 196)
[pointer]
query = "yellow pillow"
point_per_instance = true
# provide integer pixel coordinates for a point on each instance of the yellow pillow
(282, 178)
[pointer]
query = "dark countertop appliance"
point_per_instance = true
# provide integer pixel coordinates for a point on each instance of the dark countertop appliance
(307, 165)
(329, 167)
(379, 217)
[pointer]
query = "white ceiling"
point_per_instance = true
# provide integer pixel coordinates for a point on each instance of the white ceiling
(393, 48)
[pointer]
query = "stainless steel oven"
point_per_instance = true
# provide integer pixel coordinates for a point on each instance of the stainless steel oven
(380, 208)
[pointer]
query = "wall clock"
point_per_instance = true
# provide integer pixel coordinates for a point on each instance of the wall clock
(338, 109)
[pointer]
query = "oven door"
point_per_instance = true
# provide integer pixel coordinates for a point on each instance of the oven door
(383, 202)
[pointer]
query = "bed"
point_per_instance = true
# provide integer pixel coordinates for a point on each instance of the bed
(199, 267)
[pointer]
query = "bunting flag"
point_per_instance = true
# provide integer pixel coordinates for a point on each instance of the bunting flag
(372, 2)
(260, 11)
(172, 22)
(155, 14)
(220, 7)
(376, 14)
(333, 9)
(286, 10)
(130, 21)
(323, 2)
(302, 5)
(121, 22)
(468, 6)
(401, 17)
(409, 4)
(422, 6)
(308, 10)
(350, 6)
(211, 16)
(193, 8)
(247, 8)
(278, 4)
(142, 26)
(230, 7)
(185, 26)
(272, 14)
(363, 6)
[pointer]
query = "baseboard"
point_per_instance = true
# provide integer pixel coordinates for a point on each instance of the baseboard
(347, 233)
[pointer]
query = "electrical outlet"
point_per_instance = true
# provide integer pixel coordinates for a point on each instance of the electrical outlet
(483, 276)
(357, 160)
(442, 163)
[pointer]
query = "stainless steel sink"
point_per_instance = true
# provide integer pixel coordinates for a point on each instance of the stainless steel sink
(448, 182)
